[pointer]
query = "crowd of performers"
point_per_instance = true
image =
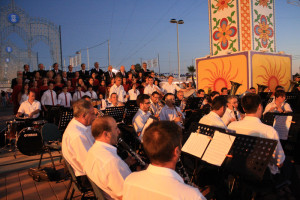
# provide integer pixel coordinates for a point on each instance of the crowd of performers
(89, 141)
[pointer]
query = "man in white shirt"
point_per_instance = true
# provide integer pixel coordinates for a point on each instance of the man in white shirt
(78, 94)
(278, 105)
(231, 113)
(77, 138)
(170, 112)
(30, 108)
(119, 90)
(114, 101)
(170, 87)
(214, 117)
(103, 165)
(140, 118)
(252, 126)
(91, 93)
(65, 98)
(155, 108)
(49, 97)
(162, 143)
(150, 88)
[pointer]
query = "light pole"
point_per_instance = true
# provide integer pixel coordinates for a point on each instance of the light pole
(174, 21)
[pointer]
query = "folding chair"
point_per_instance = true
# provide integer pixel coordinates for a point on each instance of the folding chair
(97, 191)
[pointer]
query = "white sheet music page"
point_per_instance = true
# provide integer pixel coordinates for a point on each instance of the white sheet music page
(282, 125)
(218, 148)
(196, 144)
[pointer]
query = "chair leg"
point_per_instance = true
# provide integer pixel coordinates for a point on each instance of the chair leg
(73, 190)
(40, 162)
(68, 190)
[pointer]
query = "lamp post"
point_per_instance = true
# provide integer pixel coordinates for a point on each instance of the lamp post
(174, 21)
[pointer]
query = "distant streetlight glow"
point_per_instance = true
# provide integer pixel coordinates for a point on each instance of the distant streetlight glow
(174, 21)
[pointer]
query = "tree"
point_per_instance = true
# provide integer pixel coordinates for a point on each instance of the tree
(191, 70)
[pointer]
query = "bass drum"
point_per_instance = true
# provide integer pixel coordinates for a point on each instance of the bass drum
(30, 141)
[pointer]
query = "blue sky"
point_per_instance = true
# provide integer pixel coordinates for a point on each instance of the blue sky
(140, 29)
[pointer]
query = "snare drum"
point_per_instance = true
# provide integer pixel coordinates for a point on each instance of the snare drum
(13, 127)
(39, 124)
(30, 141)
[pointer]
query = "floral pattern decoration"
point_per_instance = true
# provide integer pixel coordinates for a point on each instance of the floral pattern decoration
(265, 33)
(221, 5)
(224, 34)
(264, 3)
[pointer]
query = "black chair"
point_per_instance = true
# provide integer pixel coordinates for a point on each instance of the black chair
(97, 191)
(74, 184)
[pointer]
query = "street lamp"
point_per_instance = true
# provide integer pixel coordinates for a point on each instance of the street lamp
(174, 21)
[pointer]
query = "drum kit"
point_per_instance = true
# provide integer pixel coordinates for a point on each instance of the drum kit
(25, 135)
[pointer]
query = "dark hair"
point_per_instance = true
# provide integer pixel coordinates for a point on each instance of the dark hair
(200, 90)
(279, 87)
(224, 88)
(279, 93)
(85, 97)
(252, 88)
(154, 93)
(168, 94)
(218, 103)
(250, 103)
(214, 93)
(140, 99)
(160, 139)
(50, 82)
(100, 125)
(82, 64)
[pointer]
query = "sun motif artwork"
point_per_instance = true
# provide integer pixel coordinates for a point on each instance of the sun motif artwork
(217, 73)
(264, 31)
(224, 33)
(271, 70)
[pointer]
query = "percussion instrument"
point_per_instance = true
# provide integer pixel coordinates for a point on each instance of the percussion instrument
(30, 141)
(13, 127)
(38, 124)
(189, 93)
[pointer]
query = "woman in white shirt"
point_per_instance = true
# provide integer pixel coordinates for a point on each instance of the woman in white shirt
(24, 93)
(133, 93)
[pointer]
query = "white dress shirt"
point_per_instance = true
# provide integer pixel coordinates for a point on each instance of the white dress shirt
(91, 94)
(64, 99)
(103, 104)
(150, 89)
(213, 119)
(27, 108)
(77, 95)
(133, 95)
(156, 108)
(106, 169)
(170, 88)
(158, 183)
(228, 115)
(139, 120)
(76, 142)
(254, 127)
(170, 114)
(47, 98)
(284, 106)
(119, 90)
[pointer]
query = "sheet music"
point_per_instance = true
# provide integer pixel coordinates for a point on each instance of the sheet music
(218, 148)
(282, 125)
(196, 144)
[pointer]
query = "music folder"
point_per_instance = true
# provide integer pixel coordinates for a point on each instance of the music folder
(213, 150)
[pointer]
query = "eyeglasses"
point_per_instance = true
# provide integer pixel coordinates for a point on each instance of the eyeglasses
(147, 103)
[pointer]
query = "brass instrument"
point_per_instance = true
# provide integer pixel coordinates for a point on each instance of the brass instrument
(234, 87)
(261, 88)
(292, 84)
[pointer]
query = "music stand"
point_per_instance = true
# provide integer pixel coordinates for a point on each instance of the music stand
(66, 115)
(130, 104)
(291, 98)
(129, 114)
(116, 112)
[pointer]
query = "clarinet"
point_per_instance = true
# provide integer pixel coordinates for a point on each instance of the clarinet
(235, 114)
(131, 152)
(183, 173)
(178, 114)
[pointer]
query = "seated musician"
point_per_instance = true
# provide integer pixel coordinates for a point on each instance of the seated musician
(102, 164)
(162, 142)
(77, 138)
(150, 88)
(253, 90)
(171, 87)
(113, 101)
(180, 97)
(207, 102)
(224, 91)
(214, 117)
(119, 90)
(140, 118)
(170, 112)
(278, 105)
(30, 108)
(155, 106)
(251, 125)
(231, 113)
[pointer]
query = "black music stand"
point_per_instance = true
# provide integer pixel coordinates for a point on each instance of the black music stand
(265, 97)
(66, 115)
(130, 104)
(129, 114)
(116, 112)
(292, 99)
(194, 103)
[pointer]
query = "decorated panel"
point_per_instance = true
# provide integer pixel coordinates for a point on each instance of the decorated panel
(223, 26)
(216, 73)
(263, 25)
(245, 30)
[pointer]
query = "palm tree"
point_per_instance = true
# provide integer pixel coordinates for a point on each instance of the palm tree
(191, 71)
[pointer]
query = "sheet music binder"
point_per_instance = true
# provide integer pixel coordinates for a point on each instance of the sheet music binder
(116, 112)
(249, 155)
